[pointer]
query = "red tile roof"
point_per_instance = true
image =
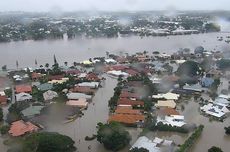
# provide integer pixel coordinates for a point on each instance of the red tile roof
(83, 89)
(126, 94)
(127, 111)
(132, 72)
(126, 101)
(168, 111)
(19, 128)
(126, 119)
(56, 77)
(36, 75)
(92, 77)
(73, 72)
(23, 88)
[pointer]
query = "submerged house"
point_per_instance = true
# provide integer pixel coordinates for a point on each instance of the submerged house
(217, 110)
(20, 127)
(49, 95)
(23, 97)
(81, 103)
(156, 145)
(167, 96)
(75, 96)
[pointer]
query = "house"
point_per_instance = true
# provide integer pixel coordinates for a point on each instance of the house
(206, 82)
(32, 111)
(156, 145)
(92, 77)
(86, 90)
(72, 72)
(23, 97)
(23, 88)
(171, 117)
(110, 61)
(133, 103)
(128, 111)
(167, 96)
(131, 72)
(127, 119)
(55, 77)
(217, 110)
(49, 95)
(3, 100)
(117, 73)
(81, 103)
(221, 100)
(194, 87)
(92, 85)
(62, 80)
(36, 76)
(45, 87)
(130, 95)
(20, 127)
(74, 96)
(166, 103)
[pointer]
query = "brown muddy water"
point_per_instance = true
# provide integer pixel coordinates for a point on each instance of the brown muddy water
(81, 48)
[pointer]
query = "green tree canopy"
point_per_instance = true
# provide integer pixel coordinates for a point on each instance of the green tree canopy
(189, 68)
(223, 64)
(47, 142)
(215, 149)
(113, 136)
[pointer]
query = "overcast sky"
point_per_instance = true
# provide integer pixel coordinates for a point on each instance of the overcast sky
(112, 5)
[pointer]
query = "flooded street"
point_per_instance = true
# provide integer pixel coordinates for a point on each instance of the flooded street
(86, 125)
(81, 48)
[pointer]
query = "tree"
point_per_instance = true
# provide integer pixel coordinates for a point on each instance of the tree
(47, 142)
(4, 129)
(223, 64)
(66, 63)
(36, 62)
(227, 130)
(113, 136)
(17, 64)
(55, 60)
(74, 64)
(215, 149)
(189, 68)
(1, 114)
(139, 150)
(4, 67)
(47, 65)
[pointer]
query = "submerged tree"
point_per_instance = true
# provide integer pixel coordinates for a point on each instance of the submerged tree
(215, 149)
(113, 136)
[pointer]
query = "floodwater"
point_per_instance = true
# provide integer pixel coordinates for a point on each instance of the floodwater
(213, 133)
(98, 111)
(82, 48)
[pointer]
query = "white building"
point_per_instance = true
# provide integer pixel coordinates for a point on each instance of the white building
(214, 109)
(167, 96)
(23, 97)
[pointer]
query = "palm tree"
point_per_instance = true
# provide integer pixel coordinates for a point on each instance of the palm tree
(17, 64)
(75, 64)
(66, 63)
(47, 65)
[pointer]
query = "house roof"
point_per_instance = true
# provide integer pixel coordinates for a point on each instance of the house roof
(126, 101)
(45, 86)
(120, 110)
(78, 96)
(168, 111)
(79, 103)
(23, 88)
(55, 77)
(35, 75)
(126, 119)
(166, 103)
(167, 96)
(83, 89)
(20, 127)
(23, 96)
(126, 94)
(32, 110)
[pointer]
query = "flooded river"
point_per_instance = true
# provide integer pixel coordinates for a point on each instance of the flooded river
(81, 48)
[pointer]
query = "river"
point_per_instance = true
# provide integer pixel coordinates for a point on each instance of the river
(82, 48)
